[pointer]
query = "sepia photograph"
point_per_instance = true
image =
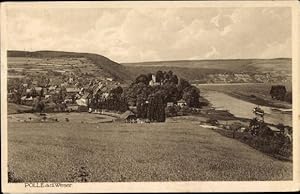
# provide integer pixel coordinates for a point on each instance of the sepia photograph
(147, 93)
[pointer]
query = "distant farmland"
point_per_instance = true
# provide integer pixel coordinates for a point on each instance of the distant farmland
(86, 62)
(203, 71)
(234, 65)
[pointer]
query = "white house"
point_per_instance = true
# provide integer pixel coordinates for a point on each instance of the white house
(181, 103)
(169, 104)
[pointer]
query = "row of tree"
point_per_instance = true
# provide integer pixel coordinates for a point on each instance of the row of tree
(161, 77)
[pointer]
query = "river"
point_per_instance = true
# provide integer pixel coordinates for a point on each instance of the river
(243, 109)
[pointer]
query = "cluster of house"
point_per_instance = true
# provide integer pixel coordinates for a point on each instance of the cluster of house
(243, 77)
(74, 97)
(181, 103)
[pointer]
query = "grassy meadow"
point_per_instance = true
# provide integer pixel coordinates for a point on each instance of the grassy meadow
(171, 151)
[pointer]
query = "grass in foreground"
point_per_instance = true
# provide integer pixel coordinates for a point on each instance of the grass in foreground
(178, 151)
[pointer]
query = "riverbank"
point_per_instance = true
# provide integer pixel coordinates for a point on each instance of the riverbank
(257, 93)
(239, 108)
(260, 101)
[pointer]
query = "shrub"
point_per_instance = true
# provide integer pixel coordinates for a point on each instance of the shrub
(286, 150)
(201, 103)
(12, 178)
(213, 121)
(185, 110)
(278, 92)
(276, 145)
(289, 97)
(171, 111)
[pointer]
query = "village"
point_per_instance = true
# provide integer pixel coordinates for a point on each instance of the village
(152, 97)
(75, 93)
(67, 96)
(246, 77)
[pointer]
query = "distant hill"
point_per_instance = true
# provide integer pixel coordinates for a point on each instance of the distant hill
(110, 67)
(233, 65)
(210, 71)
(184, 72)
(278, 69)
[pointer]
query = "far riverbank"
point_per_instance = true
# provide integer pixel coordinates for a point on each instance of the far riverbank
(256, 93)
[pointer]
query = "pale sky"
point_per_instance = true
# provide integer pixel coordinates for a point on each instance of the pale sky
(144, 34)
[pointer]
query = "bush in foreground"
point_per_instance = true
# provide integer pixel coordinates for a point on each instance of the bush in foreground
(277, 146)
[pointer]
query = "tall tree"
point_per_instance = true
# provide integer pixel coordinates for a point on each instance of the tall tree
(182, 84)
(191, 96)
(143, 79)
(156, 108)
(159, 76)
(174, 79)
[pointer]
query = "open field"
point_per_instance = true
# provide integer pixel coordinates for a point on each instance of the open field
(258, 93)
(234, 65)
(206, 71)
(33, 62)
(172, 151)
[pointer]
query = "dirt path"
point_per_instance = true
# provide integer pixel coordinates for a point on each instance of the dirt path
(62, 117)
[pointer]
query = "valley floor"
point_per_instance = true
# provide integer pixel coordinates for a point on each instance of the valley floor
(102, 152)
